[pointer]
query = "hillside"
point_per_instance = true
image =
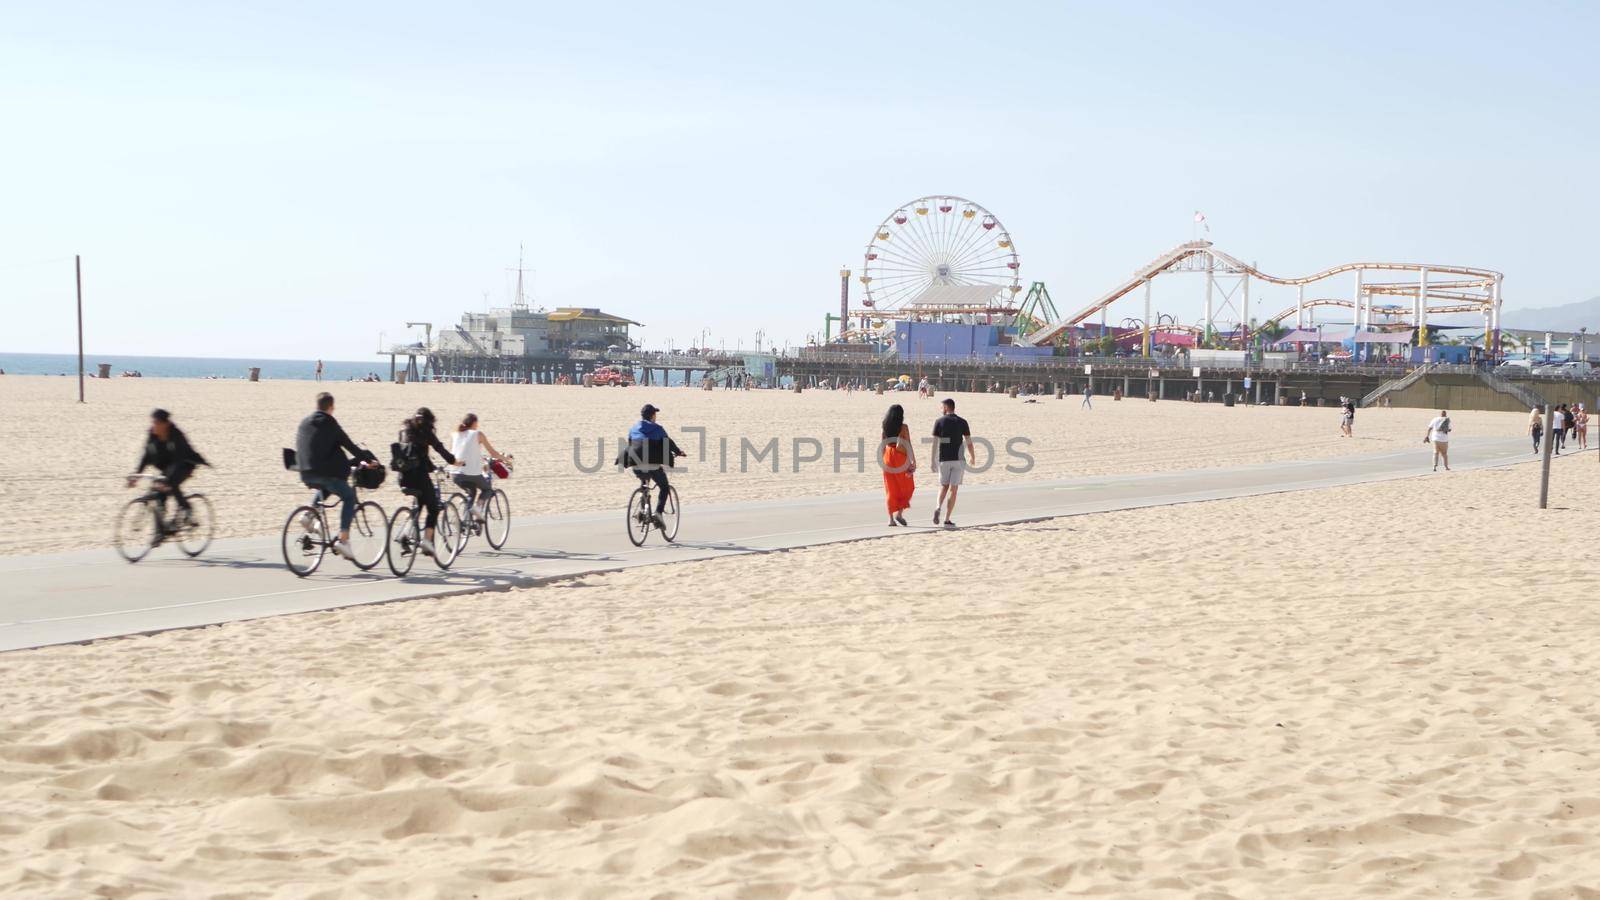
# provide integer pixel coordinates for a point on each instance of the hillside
(1569, 317)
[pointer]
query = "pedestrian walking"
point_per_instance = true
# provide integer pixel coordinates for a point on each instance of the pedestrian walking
(1536, 427)
(899, 463)
(1347, 417)
(951, 432)
(1439, 436)
(1558, 428)
(1088, 398)
(1580, 418)
(319, 370)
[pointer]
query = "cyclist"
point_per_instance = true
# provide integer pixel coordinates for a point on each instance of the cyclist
(167, 449)
(470, 446)
(417, 435)
(319, 449)
(650, 453)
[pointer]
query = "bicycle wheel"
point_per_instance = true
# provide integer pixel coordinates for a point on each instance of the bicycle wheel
(194, 536)
(459, 502)
(639, 516)
(497, 524)
(449, 536)
(305, 540)
(403, 540)
(369, 535)
(670, 516)
(136, 530)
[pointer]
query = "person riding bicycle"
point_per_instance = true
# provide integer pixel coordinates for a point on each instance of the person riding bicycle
(470, 446)
(167, 449)
(417, 436)
(649, 454)
(319, 450)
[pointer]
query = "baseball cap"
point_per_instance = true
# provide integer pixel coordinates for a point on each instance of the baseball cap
(160, 415)
(648, 411)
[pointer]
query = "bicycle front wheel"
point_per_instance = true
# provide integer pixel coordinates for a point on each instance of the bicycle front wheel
(458, 501)
(639, 516)
(670, 516)
(305, 540)
(403, 541)
(136, 530)
(194, 535)
(497, 524)
(369, 536)
(449, 536)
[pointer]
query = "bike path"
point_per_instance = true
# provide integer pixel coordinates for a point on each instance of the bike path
(85, 595)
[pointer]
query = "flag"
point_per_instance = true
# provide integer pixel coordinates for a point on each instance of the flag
(1200, 219)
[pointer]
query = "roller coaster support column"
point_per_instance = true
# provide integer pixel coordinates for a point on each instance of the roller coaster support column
(1362, 313)
(1422, 309)
(1205, 327)
(1244, 314)
(1300, 309)
(1494, 313)
(1147, 318)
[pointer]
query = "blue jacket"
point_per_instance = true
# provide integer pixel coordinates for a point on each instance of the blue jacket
(648, 444)
(646, 430)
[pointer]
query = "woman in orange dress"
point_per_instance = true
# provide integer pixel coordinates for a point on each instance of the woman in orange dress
(899, 461)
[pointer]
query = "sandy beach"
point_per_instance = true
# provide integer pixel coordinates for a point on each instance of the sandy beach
(241, 427)
(1378, 690)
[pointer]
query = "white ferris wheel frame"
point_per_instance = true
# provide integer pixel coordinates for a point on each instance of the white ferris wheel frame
(920, 245)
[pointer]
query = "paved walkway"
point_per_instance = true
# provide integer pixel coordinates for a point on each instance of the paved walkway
(80, 596)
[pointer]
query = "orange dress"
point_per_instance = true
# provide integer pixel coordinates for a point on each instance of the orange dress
(898, 484)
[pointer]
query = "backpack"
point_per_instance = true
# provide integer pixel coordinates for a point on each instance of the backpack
(1444, 427)
(405, 456)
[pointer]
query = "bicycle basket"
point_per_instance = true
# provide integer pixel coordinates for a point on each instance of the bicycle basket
(370, 479)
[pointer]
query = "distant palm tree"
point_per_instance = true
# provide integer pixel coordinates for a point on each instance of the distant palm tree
(1272, 332)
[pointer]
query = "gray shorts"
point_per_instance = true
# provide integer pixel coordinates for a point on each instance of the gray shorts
(951, 471)
(476, 486)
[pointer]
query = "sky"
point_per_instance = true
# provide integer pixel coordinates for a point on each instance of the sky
(299, 180)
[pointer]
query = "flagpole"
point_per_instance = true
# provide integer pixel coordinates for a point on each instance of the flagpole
(77, 268)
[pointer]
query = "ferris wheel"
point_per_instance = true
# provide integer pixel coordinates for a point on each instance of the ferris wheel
(938, 241)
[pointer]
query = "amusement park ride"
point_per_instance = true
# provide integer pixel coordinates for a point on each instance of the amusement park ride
(944, 258)
(940, 258)
(1465, 290)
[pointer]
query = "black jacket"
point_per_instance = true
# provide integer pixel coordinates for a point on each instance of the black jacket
(168, 455)
(319, 447)
(423, 439)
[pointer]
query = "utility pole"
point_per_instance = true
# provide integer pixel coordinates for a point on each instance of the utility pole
(77, 266)
(1544, 465)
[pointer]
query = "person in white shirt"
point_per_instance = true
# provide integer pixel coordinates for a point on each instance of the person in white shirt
(470, 446)
(1439, 436)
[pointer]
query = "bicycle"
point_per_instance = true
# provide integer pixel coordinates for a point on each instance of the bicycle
(405, 536)
(642, 514)
(495, 524)
(143, 524)
(307, 535)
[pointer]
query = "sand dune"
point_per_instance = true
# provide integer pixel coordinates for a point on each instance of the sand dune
(1369, 691)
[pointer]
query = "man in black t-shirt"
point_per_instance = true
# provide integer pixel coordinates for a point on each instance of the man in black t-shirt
(952, 433)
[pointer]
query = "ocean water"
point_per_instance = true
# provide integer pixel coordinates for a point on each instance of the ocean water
(189, 366)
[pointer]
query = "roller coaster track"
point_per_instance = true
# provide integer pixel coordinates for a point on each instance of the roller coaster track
(1470, 288)
(1387, 309)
